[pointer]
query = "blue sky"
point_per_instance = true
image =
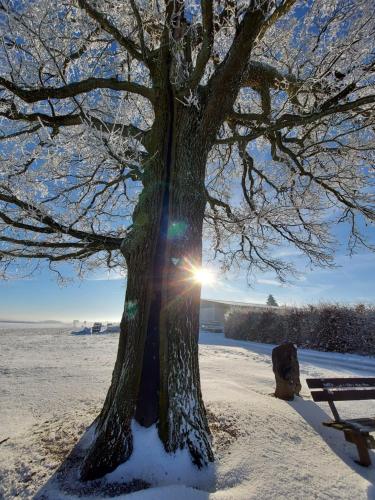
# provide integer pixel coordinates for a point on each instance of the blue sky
(101, 299)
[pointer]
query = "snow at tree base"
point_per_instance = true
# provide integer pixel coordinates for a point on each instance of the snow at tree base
(265, 448)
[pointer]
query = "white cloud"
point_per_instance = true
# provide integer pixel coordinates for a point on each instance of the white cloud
(286, 252)
(107, 277)
(265, 281)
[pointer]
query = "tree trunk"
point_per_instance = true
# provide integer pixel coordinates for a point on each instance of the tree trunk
(156, 375)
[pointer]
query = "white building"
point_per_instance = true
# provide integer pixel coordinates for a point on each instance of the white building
(212, 312)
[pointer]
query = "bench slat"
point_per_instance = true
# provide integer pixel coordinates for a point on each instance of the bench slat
(355, 424)
(362, 424)
(345, 395)
(322, 383)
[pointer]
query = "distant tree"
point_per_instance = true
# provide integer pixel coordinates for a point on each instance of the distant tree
(271, 301)
(129, 127)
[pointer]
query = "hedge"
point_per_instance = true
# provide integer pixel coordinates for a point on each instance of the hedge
(327, 327)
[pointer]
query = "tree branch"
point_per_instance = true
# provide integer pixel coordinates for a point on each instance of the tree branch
(145, 51)
(36, 214)
(76, 88)
(342, 198)
(224, 85)
(259, 75)
(207, 43)
(49, 244)
(283, 9)
(288, 120)
(71, 120)
(24, 131)
(107, 26)
(80, 254)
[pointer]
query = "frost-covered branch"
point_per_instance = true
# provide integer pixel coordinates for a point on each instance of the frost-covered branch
(75, 88)
(91, 94)
(106, 25)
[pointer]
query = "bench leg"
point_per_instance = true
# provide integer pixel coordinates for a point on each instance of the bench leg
(360, 441)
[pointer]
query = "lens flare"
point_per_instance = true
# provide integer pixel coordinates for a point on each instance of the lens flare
(203, 276)
(197, 274)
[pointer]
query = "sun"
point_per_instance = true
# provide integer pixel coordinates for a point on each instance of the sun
(203, 276)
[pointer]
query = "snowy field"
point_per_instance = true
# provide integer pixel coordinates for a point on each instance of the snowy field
(52, 385)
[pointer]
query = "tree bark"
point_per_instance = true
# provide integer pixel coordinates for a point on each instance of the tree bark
(156, 375)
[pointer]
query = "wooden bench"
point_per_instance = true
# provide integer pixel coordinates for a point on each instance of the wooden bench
(357, 431)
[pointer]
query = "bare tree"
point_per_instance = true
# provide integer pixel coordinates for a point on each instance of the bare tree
(127, 127)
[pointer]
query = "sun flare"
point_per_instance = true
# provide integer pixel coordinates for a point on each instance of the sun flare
(204, 276)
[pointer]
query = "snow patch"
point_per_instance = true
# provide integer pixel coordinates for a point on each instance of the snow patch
(167, 493)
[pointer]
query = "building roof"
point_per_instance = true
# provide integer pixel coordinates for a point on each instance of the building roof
(235, 304)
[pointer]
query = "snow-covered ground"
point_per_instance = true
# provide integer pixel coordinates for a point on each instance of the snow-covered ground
(52, 385)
